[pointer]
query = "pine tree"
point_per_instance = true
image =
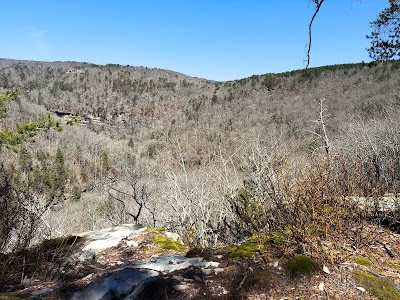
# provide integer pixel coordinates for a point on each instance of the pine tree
(385, 37)
(59, 173)
(130, 142)
(105, 162)
(25, 160)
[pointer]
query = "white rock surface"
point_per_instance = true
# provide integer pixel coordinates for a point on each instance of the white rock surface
(109, 237)
(171, 263)
(361, 289)
(132, 279)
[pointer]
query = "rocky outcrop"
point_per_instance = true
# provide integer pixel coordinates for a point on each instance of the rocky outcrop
(139, 278)
(126, 262)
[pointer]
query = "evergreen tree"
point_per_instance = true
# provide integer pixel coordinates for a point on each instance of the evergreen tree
(76, 193)
(59, 173)
(385, 37)
(105, 162)
(25, 160)
(130, 142)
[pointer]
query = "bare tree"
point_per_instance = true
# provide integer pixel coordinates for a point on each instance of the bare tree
(322, 134)
(197, 202)
(137, 194)
(384, 37)
(318, 4)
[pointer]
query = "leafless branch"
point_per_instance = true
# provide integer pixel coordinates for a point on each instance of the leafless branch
(321, 121)
(318, 4)
(139, 195)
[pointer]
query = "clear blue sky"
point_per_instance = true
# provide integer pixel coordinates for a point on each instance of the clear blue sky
(213, 39)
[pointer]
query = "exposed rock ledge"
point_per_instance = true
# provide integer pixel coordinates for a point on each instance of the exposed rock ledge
(129, 262)
(124, 262)
(141, 278)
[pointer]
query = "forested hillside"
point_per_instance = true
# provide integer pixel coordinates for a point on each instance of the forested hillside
(168, 150)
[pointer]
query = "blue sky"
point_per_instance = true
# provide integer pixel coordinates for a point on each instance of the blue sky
(213, 39)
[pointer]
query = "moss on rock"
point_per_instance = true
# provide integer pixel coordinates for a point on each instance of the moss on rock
(379, 287)
(246, 250)
(156, 230)
(259, 243)
(166, 243)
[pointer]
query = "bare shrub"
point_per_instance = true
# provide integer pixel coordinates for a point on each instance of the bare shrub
(260, 193)
(196, 206)
(21, 210)
(72, 217)
(379, 143)
(305, 197)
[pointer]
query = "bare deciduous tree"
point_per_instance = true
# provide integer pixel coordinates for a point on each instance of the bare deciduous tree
(318, 4)
(322, 134)
(131, 202)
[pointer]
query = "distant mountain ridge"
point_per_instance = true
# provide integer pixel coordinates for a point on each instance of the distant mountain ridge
(131, 96)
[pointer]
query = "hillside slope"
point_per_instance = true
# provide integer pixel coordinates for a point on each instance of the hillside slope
(169, 135)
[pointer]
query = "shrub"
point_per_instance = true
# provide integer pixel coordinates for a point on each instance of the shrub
(310, 200)
(5, 97)
(21, 208)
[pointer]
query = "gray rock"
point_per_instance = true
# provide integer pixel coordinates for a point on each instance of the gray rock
(41, 292)
(118, 284)
(170, 263)
(151, 288)
(206, 271)
(109, 237)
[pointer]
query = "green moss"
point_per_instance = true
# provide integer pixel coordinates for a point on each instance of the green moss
(259, 243)
(362, 261)
(301, 265)
(379, 287)
(166, 243)
(247, 249)
(156, 230)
